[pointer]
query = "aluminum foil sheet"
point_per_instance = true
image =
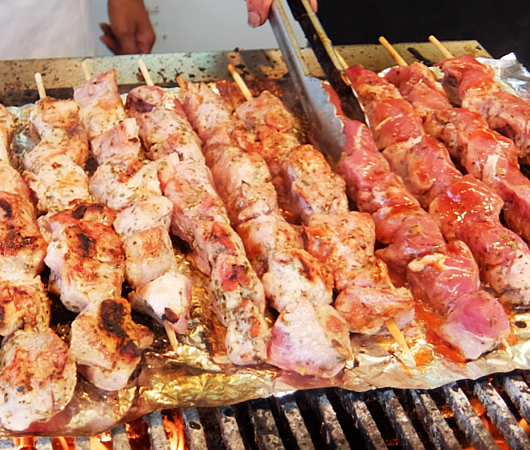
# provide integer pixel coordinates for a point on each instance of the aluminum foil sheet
(198, 372)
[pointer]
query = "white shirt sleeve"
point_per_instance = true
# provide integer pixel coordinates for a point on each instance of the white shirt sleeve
(46, 29)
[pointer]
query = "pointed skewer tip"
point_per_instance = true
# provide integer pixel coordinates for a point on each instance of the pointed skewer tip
(172, 336)
(400, 339)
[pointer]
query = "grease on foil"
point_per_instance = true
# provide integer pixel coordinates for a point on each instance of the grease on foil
(198, 373)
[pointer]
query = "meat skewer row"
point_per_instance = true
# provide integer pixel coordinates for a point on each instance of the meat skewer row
(478, 223)
(484, 153)
(341, 239)
(77, 222)
(85, 255)
(472, 84)
(447, 268)
(37, 374)
(302, 337)
(199, 217)
(449, 271)
(142, 222)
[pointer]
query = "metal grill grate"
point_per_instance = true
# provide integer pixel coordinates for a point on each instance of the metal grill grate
(484, 414)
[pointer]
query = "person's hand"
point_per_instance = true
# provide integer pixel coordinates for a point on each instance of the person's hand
(130, 30)
(258, 11)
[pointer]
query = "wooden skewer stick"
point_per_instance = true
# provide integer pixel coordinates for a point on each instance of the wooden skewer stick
(397, 334)
(172, 336)
(240, 83)
(401, 62)
(441, 47)
(145, 73)
(181, 83)
(182, 86)
(341, 60)
(344, 65)
(40, 85)
(86, 70)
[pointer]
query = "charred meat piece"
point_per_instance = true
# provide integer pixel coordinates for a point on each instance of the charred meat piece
(58, 184)
(238, 300)
(87, 264)
(106, 344)
(22, 246)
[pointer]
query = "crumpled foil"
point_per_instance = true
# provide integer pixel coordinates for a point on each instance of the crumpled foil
(198, 372)
(511, 74)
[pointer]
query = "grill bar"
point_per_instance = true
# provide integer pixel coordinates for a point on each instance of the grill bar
(266, 432)
(230, 429)
(120, 441)
(194, 431)
(467, 419)
(333, 431)
(434, 424)
(363, 420)
(501, 416)
(294, 417)
(156, 431)
(44, 443)
(82, 443)
(519, 394)
(400, 421)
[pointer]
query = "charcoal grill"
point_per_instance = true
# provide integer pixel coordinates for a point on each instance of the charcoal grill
(446, 418)
(485, 414)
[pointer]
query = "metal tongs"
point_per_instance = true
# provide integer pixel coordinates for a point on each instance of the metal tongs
(314, 98)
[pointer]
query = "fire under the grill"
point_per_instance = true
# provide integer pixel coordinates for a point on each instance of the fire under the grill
(488, 413)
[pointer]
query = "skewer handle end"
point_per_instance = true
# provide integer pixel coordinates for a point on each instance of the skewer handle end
(40, 85)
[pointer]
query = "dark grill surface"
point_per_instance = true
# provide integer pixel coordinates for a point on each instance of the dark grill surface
(485, 414)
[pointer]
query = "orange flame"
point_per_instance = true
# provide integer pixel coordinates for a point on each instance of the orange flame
(62, 443)
(492, 429)
(525, 426)
(175, 432)
(26, 443)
